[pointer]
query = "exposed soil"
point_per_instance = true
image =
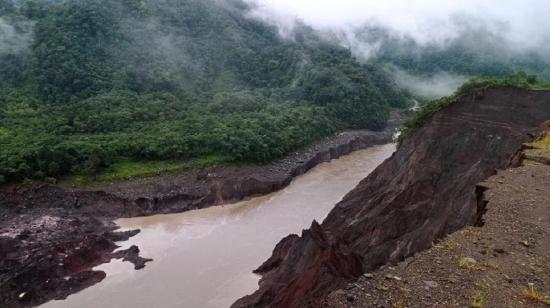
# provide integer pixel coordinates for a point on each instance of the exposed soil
(504, 263)
(425, 191)
(51, 237)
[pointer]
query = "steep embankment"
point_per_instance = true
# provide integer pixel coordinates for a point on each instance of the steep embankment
(427, 189)
(505, 263)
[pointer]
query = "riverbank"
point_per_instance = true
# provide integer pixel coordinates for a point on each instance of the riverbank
(51, 237)
(503, 263)
(172, 193)
(203, 258)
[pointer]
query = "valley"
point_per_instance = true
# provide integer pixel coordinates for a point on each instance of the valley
(274, 153)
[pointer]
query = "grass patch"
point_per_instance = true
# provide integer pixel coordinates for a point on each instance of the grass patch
(478, 301)
(543, 143)
(127, 169)
(447, 245)
(465, 262)
(533, 295)
(541, 86)
(4, 133)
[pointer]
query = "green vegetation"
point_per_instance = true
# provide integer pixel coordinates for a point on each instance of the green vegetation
(109, 89)
(543, 143)
(128, 169)
(478, 301)
(473, 52)
(473, 87)
(535, 296)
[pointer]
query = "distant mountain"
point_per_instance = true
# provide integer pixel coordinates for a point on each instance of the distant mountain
(473, 51)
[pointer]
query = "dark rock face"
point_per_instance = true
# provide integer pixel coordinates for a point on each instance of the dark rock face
(425, 191)
(51, 255)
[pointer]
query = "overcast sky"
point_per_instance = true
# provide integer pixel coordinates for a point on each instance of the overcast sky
(525, 22)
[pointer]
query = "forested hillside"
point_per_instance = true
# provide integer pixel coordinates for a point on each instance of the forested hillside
(88, 83)
(475, 51)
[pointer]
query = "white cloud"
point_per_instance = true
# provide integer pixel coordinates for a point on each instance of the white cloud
(12, 40)
(434, 86)
(524, 23)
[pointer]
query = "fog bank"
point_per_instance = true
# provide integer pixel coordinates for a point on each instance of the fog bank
(431, 87)
(523, 24)
(14, 38)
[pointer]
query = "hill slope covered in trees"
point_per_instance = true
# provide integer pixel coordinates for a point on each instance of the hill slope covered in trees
(88, 83)
(89, 86)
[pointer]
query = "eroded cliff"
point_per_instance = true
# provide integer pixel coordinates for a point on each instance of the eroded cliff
(426, 190)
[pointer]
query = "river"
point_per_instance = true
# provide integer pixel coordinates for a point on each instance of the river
(205, 258)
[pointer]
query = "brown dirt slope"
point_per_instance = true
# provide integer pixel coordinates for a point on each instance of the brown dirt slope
(425, 191)
(504, 263)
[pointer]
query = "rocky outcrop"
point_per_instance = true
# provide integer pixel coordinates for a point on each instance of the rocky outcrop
(50, 256)
(425, 191)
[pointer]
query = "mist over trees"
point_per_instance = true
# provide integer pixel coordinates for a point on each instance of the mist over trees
(423, 38)
(474, 52)
(85, 83)
(102, 80)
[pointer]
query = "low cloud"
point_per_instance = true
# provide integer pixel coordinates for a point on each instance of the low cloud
(14, 37)
(522, 24)
(429, 87)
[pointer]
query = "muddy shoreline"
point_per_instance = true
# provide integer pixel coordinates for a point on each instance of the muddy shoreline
(173, 193)
(52, 237)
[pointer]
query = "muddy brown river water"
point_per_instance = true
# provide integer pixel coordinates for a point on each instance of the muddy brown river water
(205, 258)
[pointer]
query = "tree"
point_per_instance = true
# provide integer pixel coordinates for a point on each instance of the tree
(92, 166)
(54, 169)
